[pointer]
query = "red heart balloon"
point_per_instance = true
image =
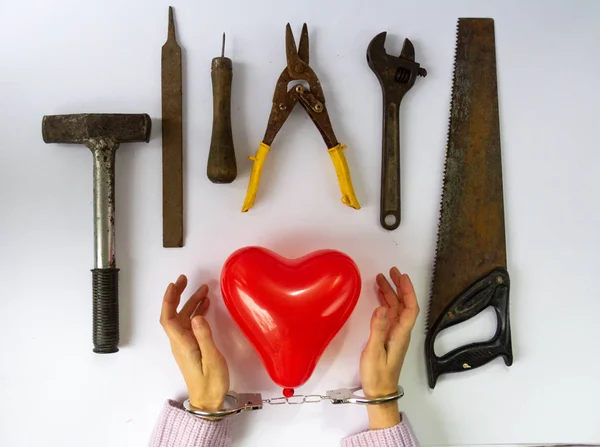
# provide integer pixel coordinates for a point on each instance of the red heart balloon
(290, 309)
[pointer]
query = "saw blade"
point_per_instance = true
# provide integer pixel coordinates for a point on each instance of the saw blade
(172, 139)
(471, 233)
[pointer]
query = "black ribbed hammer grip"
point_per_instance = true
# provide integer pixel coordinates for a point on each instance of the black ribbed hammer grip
(105, 290)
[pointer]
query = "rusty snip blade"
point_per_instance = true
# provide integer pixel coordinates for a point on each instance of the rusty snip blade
(470, 264)
(293, 53)
(172, 138)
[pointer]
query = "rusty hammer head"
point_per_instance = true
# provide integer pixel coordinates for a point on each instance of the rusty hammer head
(395, 74)
(87, 127)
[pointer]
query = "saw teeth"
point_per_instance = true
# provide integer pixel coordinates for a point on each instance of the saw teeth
(428, 321)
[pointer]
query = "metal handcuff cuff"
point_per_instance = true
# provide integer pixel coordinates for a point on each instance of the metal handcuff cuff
(254, 401)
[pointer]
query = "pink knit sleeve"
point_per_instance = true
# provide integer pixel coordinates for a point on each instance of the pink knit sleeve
(177, 428)
(400, 435)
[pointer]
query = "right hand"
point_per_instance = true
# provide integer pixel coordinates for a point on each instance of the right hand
(203, 367)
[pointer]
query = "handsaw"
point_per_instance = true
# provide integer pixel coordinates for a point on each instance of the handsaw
(470, 272)
(172, 139)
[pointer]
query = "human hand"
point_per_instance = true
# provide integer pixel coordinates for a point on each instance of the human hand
(382, 358)
(203, 367)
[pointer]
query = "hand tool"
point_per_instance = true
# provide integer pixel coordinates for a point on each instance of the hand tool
(221, 166)
(313, 101)
(470, 272)
(396, 75)
(172, 139)
(102, 134)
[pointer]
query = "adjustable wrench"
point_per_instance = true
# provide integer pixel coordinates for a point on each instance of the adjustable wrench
(396, 76)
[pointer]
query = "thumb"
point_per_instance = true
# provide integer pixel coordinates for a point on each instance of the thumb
(379, 323)
(204, 337)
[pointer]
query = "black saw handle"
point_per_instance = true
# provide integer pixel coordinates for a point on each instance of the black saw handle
(491, 290)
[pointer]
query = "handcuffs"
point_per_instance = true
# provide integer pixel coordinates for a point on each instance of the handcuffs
(254, 401)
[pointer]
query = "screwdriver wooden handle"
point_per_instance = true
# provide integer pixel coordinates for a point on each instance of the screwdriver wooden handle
(222, 167)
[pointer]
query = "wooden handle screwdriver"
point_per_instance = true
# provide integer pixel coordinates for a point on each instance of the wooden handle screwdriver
(222, 167)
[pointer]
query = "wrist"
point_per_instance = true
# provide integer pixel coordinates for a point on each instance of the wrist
(194, 410)
(383, 416)
(203, 405)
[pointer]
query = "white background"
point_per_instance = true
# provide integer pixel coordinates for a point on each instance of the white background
(104, 56)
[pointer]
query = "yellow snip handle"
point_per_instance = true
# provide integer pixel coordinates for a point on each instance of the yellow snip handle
(259, 161)
(343, 175)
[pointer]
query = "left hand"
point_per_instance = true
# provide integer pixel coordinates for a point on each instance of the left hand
(203, 367)
(383, 357)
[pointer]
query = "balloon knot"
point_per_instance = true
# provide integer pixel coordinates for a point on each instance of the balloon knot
(288, 392)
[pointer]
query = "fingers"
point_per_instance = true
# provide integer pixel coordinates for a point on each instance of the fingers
(396, 276)
(181, 284)
(381, 299)
(408, 317)
(379, 324)
(400, 333)
(203, 334)
(389, 295)
(170, 303)
(168, 314)
(188, 308)
(202, 308)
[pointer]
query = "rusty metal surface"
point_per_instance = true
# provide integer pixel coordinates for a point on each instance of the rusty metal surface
(172, 137)
(471, 234)
(80, 128)
(311, 99)
(396, 76)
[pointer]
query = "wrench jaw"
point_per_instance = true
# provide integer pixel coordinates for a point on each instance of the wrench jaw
(396, 74)
(408, 50)
(385, 66)
(377, 58)
(408, 69)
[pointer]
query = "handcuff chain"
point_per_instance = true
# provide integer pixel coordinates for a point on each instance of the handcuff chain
(296, 399)
(254, 401)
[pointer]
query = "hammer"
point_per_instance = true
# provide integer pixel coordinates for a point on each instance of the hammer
(102, 134)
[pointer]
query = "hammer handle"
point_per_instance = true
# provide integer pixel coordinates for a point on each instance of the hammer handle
(222, 167)
(105, 291)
